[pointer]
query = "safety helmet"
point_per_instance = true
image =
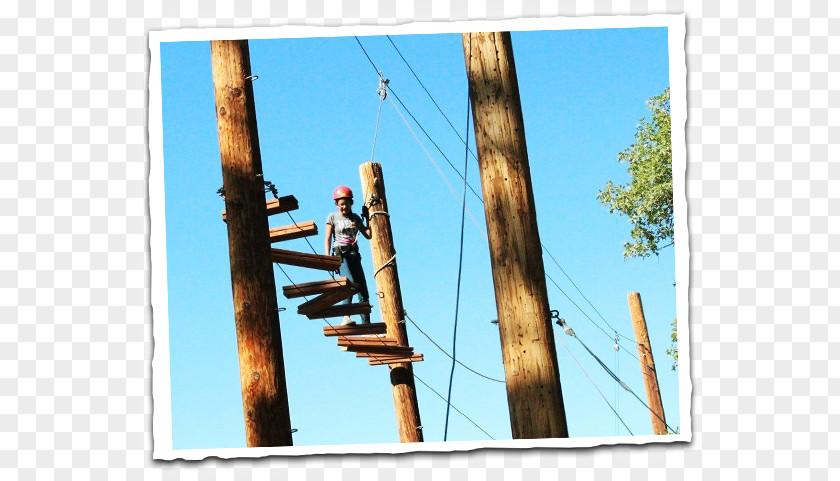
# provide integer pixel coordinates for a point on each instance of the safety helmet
(342, 191)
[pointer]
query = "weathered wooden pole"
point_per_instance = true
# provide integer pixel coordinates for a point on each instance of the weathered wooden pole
(262, 374)
(535, 400)
(657, 414)
(390, 300)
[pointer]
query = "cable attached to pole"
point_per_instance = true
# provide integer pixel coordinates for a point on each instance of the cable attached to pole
(460, 255)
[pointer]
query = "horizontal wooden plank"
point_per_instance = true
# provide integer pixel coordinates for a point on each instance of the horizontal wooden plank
(368, 341)
(305, 259)
(357, 330)
(379, 361)
(319, 287)
(342, 310)
(368, 351)
(286, 203)
(292, 231)
(324, 300)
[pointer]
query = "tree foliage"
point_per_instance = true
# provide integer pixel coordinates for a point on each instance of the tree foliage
(648, 199)
(673, 351)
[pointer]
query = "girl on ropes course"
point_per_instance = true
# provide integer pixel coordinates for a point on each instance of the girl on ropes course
(343, 227)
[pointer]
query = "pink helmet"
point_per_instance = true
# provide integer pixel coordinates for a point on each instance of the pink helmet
(342, 191)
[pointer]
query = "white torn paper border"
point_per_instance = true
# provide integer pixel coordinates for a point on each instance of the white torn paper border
(165, 385)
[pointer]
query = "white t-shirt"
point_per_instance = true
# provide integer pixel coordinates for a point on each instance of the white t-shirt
(344, 228)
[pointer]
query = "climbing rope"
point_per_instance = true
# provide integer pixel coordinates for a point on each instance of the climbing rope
(461, 252)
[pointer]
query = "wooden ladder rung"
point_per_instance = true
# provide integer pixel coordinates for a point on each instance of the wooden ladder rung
(319, 287)
(378, 361)
(367, 341)
(341, 310)
(357, 330)
(324, 300)
(371, 351)
(275, 206)
(304, 259)
(292, 231)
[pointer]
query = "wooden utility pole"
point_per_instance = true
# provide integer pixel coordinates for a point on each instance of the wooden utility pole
(390, 300)
(657, 414)
(535, 399)
(262, 374)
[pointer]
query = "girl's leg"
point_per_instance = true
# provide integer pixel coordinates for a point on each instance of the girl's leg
(345, 271)
(354, 264)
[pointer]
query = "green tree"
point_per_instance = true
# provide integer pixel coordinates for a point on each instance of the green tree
(648, 199)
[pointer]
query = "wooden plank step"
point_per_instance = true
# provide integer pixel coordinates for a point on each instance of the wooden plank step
(319, 287)
(367, 341)
(357, 330)
(369, 351)
(341, 310)
(292, 231)
(275, 206)
(324, 300)
(378, 361)
(304, 259)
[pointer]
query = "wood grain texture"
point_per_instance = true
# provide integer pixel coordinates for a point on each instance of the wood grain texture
(390, 302)
(262, 373)
(637, 314)
(535, 399)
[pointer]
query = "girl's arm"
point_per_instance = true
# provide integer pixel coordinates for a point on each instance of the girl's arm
(327, 239)
(365, 230)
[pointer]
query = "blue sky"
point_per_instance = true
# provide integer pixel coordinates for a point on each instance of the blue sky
(582, 93)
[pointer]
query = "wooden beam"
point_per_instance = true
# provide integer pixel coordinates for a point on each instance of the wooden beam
(379, 361)
(292, 231)
(357, 330)
(319, 287)
(275, 206)
(367, 341)
(323, 301)
(342, 310)
(303, 259)
(367, 351)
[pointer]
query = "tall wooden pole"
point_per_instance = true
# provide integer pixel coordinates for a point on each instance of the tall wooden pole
(535, 400)
(657, 414)
(262, 374)
(390, 301)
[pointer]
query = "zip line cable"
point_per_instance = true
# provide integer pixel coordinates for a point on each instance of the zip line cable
(390, 89)
(594, 385)
(449, 355)
(456, 409)
(568, 330)
(460, 266)
(432, 160)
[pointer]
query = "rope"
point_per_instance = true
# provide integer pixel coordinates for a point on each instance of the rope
(386, 264)
(460, 254)
(449, 355)
(456, 409)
